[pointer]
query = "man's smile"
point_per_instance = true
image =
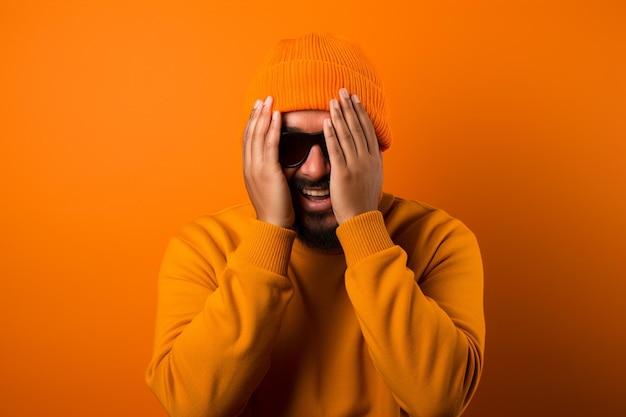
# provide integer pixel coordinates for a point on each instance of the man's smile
(315, 199)
(316, 192)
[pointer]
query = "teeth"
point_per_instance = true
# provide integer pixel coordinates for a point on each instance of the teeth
(316, 193)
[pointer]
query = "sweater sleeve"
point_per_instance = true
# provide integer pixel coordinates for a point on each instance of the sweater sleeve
(424, 328)
(218, 315)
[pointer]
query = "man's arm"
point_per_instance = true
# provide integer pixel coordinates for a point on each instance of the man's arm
(218, 317)
(426, 340)
(220, 307)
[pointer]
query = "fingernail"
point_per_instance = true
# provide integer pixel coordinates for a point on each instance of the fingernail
(275, 114)
(343, 93)
(268, 100)
(355, 98)
(257, 103)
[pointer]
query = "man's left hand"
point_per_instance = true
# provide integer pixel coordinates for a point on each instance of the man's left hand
(355, 158)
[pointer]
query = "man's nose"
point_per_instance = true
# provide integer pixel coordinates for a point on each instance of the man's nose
(316, 164)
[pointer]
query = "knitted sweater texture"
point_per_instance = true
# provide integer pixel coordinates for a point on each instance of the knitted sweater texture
(251, 322)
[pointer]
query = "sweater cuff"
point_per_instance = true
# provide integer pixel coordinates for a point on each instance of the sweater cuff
(363, 235)
(267, 246)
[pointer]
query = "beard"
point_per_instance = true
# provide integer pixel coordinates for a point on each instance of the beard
(313, 231)
(316, 229)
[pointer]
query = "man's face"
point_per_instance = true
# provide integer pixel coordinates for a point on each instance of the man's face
(310, 184)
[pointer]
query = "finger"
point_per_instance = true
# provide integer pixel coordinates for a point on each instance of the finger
(335, 153)
(273, 138)
(260, 131)
(366, 125)
(342, 131)
(251, 118)
(249, 128)
(353, 121)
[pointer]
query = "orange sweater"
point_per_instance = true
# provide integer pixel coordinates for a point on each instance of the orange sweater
(251, 322)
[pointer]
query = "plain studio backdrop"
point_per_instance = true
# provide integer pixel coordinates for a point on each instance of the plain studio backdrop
(122, 120)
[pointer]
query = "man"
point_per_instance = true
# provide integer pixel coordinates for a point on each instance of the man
(324, 296)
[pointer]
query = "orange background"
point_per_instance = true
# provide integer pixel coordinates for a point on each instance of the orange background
(120, 122)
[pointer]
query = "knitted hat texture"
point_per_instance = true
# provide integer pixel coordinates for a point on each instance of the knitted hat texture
(305, 73)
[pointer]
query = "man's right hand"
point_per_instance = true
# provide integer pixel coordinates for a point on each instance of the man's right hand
(263, 175)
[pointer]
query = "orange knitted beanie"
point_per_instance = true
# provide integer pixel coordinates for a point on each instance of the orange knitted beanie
(305, 73)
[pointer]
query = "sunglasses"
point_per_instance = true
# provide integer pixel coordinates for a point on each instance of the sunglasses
(294, 147)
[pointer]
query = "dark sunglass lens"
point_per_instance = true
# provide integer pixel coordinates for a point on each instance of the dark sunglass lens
(293, 149)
